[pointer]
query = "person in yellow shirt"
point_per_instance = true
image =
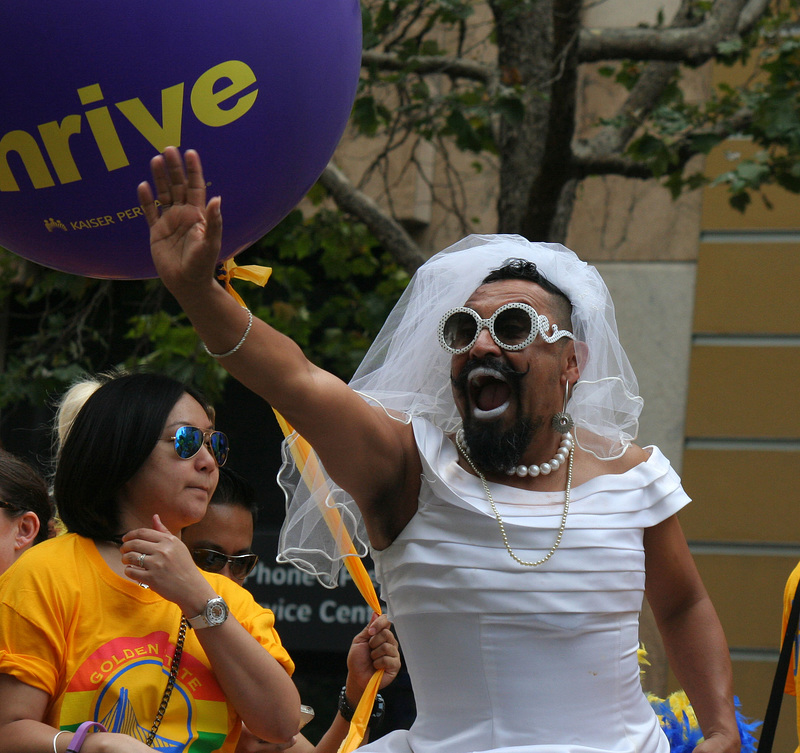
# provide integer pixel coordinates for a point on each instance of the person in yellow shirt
(110, 637)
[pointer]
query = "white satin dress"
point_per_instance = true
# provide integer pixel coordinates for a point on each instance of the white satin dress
(514, 659)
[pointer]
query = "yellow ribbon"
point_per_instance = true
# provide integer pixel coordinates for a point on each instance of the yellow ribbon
(229, 270)
(306, 460)
(304, 456)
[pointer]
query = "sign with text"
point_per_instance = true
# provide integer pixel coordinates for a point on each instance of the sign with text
(308, 616)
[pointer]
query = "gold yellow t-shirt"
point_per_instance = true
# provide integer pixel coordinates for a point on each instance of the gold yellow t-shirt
(101, 647)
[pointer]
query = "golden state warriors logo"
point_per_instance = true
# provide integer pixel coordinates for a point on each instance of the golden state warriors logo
(122, 683)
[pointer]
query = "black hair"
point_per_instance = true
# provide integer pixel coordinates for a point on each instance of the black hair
(23, 490)
(235, 490)
(522, 269)
(110, 439)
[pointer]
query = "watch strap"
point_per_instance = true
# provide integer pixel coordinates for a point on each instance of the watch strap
(80, 735)
(198, 622)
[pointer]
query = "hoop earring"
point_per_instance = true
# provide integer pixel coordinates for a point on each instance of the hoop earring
(562, 421)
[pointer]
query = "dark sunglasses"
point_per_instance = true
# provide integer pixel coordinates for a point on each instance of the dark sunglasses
(189, 440)
(213, 561)
(513, 326)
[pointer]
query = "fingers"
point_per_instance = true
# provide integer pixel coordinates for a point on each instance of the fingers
(177, 180)
(214, 221)
(161, 180)
(195, 186)
(147, 202)
(162, 562)
(385, 652)
(148, 549)
(380, 631)
(383, 649)
(170, 178)
(379, 622)
(149, 534)
(140, 557)
(158, 525)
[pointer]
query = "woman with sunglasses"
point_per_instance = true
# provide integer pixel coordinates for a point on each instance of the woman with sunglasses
(110, 637)
(221, 543)
(24, 509)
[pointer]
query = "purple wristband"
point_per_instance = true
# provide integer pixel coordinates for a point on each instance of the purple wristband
(80, 735)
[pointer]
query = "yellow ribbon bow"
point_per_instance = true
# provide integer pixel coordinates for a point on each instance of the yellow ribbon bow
(229, 270)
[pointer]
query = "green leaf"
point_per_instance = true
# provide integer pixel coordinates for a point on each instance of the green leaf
(703, 143)
(365, 115)
(739, 201)
(511, 109)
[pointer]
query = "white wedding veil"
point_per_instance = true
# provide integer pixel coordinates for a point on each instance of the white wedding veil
(408, 373)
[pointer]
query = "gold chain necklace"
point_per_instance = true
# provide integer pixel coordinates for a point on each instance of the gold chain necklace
(173, 676)
(462, 447)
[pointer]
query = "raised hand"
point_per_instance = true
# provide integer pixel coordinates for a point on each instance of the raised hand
(185, 232)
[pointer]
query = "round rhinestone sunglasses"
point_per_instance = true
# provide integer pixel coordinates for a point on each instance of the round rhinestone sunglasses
(513, 326)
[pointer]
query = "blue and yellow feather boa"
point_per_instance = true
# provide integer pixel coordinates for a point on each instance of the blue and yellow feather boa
(678, 720)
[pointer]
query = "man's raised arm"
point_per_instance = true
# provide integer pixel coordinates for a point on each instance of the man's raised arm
(368, 454)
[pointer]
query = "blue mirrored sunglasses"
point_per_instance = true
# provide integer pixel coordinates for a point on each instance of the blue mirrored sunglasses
(189, 439)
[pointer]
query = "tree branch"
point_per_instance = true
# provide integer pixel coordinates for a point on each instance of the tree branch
(587, 160)
(643, 96)
(430, 64)
(389, 232)
(691, 46)
(750, 15)
(587, 163)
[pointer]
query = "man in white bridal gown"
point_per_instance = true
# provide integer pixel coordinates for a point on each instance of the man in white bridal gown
(486, 447)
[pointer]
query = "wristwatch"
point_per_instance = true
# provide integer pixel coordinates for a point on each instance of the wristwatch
(215, 613)
(347, 711)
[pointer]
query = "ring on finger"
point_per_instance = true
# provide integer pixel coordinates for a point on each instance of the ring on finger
(140, 562)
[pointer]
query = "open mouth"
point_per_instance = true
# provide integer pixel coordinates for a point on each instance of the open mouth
(489, 393)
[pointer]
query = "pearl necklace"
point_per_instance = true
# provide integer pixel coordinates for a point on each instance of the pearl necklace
(545, 468)
(462, 447)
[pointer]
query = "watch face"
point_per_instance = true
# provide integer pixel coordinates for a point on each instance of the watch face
(216, 611)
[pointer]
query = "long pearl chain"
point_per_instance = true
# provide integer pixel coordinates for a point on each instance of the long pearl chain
(462, 447)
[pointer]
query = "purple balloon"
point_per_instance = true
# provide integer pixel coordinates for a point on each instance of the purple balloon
(90, 91)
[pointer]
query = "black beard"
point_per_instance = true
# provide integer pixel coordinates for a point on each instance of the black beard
(492, 448)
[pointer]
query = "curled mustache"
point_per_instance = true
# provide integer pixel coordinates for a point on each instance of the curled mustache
(493, 363)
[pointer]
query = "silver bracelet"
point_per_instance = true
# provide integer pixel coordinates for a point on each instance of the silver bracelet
(238, 345)
(55, 749)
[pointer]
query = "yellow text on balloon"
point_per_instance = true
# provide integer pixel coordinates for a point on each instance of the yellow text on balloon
(206, 99)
